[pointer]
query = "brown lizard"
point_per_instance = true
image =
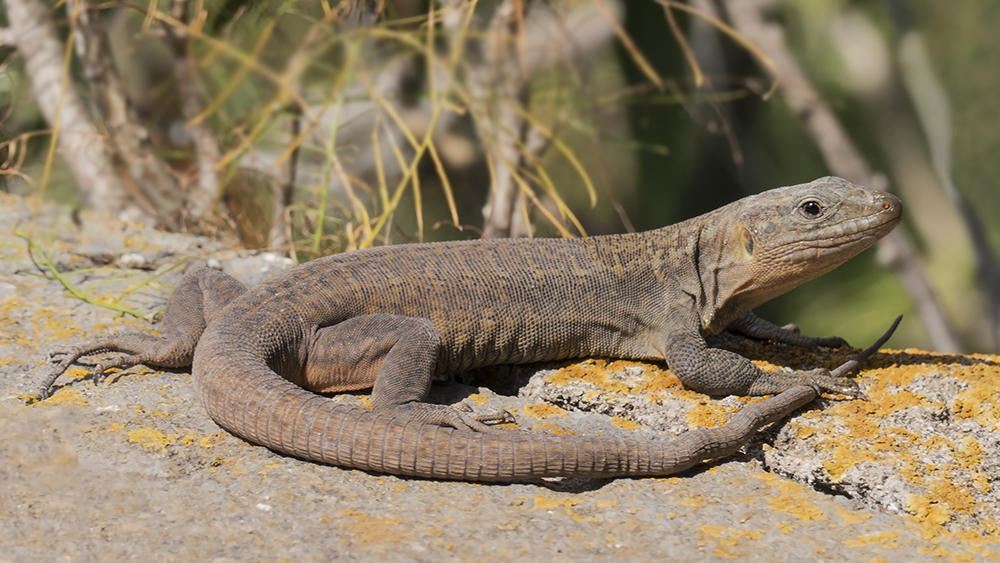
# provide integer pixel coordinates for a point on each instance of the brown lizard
(392, 317)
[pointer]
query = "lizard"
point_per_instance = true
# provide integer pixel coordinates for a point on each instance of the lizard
(390, 318)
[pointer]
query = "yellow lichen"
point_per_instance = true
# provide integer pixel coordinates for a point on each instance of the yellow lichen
(802, 431)
(706, 414)
(151, 438)
(543, 502)
(602, 374)
(692, 502)
(212, 440)
(853, 517)
(925, 510)
(624, 423)
(543, 410)
(78, 372)
(729, 536)
(368, 530)
(479, 398)
(65, 397)
(887, 540)
(843, 458)
(553, 428)
(796, 505)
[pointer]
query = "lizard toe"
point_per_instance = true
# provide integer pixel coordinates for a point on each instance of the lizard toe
(460, 418)
(819, 379)
(792, 327)
(492, 416)
(822, 380)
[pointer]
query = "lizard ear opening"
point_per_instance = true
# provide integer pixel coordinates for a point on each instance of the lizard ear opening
(746, 238)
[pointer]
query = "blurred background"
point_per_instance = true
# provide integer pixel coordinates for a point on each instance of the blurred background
(310, 128)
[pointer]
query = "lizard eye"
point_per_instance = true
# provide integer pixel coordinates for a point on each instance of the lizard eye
(811, 208)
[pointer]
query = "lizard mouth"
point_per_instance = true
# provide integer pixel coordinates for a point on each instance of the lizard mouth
(875, 224)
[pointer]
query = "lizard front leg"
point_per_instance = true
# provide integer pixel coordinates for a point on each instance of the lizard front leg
(749, 324)
(197, 298)
(721, 372)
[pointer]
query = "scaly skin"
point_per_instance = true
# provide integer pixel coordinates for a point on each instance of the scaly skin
(391, 317)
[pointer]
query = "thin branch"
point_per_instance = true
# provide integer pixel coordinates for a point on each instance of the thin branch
(129, 138)
(191, 90)
(7, 37)
(277, 238)
(45, 59)
(48, 269)
(497, 77)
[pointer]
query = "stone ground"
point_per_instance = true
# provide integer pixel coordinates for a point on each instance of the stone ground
(134, 469)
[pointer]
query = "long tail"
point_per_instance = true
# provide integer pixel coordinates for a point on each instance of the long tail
(250, 400)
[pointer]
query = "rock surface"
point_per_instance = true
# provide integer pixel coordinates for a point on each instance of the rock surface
(134, 469)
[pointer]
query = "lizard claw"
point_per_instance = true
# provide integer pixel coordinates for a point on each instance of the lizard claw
(823, 381)
(493, 416)
(99, 374)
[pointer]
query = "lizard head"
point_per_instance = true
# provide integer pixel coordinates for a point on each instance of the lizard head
(776, 240)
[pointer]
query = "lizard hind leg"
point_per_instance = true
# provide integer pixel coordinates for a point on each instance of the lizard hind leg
(394, 355)
(197, 298)
(138, 347)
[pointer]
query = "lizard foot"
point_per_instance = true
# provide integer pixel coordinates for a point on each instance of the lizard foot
(814, 342)
(458, 416)
(828, 342)
(493, 416)
(835, 381)
(73, 356)
(822, 380)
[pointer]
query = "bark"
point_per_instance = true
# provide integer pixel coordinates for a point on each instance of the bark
(128, 136)
(79, 142)
(203, 198)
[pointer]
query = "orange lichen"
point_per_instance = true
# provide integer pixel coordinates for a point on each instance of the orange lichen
(479, 398)
(706, 414)
(543, 410)
(213, 439)
(624, 423)
(151, 438)
(551, 427)
(887, 540)
(65, 397)
(853, 517)
(802, 431)
(926, 510)
(568, 504)
(796, 505)
(692, 502)
(371, 530)
(726, 540)
(605, 375)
